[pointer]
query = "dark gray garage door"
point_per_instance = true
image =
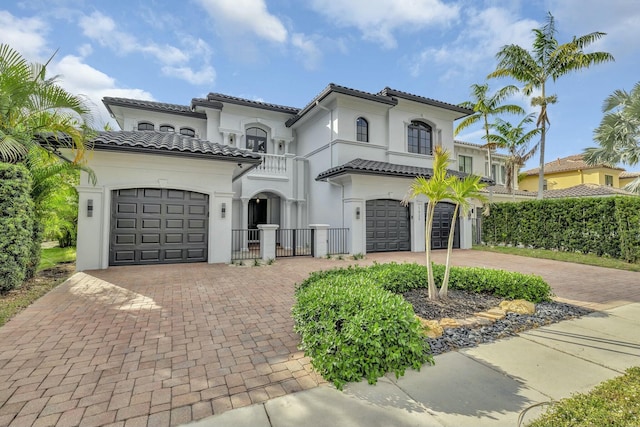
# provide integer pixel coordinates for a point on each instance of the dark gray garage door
(387, 226)
(158, 226)
(442, 226)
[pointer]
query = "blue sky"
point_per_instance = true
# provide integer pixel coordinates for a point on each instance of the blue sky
(287, 51)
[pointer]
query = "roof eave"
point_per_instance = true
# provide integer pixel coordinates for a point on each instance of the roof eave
(117, 103)
(174, 153)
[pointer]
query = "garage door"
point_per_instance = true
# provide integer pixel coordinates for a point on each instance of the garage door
(158, 226)
(387, 226)
(442, 226)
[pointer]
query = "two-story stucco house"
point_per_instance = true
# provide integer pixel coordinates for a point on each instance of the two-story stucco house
(176, 181)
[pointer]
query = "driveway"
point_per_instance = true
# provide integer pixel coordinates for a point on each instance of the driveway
(165, 345)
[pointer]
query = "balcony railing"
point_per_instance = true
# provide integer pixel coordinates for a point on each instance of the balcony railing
(272, 164)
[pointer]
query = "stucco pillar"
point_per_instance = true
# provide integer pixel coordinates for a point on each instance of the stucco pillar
(220, 225)
(466, 234)
(244, 224)
(268, 241)
(320, 239)
(418, 227)
(91, 226)
(355, 219)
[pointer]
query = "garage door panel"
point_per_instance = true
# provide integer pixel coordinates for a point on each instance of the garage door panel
(151, 225)
(387, 226)
(442, 226)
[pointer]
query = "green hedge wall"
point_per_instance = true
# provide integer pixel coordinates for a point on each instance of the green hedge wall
(16, 225)
(607, 226)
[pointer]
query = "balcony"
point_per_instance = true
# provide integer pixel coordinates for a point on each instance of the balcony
(273, 166)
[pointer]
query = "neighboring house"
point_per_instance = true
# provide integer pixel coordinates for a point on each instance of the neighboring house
(175, 182)
(571, 171)
(626, 178)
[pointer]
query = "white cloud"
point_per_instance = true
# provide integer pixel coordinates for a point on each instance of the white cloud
(377, 20)
(206, 75)
(102, 29)
(246, 16)
(311, 54)
(80, 78)
(26, 35)
(484, 33)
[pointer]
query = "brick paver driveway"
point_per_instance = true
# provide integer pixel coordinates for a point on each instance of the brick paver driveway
(164, 345)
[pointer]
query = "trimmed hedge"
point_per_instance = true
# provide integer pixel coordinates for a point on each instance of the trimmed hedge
(353, 329)
(607, 226)
(400, 278)
(16, 225)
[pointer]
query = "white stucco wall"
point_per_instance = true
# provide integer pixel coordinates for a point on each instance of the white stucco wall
(116, 170)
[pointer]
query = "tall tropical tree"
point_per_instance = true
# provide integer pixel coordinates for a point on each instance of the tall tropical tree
(618, 134)
(485, 106)
(548, 60)
(33, 106)
(435, 189)
(461, 193)
(515, 139)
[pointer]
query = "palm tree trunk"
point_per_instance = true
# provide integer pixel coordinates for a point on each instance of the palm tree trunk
(543, 135)
(445, 281)
(433, 291)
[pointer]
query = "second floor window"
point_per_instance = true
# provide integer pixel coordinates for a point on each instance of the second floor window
(145, 126)
(187, 132)
(420, 138)
(166, 128)
(257, 140)
(608, 180)
(465, 164)
(362, 130)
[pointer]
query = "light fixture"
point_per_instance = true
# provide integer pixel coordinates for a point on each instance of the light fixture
(358, 212)
(223, 210)
(257, 201)
(90, 207)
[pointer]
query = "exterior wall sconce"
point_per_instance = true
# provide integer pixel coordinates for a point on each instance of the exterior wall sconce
(358, 212)
(90, 207)
(223, 210)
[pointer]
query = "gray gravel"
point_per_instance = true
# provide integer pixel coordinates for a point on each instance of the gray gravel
(463, 337)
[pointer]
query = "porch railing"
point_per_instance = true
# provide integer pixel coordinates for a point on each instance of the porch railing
(294, 242)
(337, 241)
(272, 164)
(245, 244)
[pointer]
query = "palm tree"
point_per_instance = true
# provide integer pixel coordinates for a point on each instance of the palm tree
(516, 140)
(619, 133)
(32, 105)
(435, 189)
(548, 60)
(485, 106)
(461, 191)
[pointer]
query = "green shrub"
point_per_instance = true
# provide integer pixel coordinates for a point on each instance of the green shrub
(16, 225)
(353, 329)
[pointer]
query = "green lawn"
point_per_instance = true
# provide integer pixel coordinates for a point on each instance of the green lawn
(577, 258)
(53, 256)
(614, 403)
(46, 279)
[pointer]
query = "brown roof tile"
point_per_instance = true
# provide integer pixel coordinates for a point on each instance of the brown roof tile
(565, 164)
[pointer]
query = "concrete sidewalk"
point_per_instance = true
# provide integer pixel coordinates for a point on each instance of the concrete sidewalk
(484, 386)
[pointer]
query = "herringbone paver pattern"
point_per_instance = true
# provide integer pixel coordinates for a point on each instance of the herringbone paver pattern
(165, 345)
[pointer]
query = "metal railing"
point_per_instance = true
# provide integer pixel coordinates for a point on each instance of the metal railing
(294, 242)
(337, 241)
(245, 244)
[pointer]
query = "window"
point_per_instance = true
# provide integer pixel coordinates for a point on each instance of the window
(419, 138)
(499, 173)
(465, 164)
(145, 126)
(187, 132)
(167, 128)
(257, 140)
(545, 186)
(362, 130)
(608, 180)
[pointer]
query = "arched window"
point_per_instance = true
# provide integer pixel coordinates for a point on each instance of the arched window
(362, 129)
(187, 132)
(145, 126)
(167, 128)
(257, 140)
(420, 138)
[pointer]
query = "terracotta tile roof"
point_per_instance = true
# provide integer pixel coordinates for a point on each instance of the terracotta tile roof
(480, 147)
(626, 174)
(387, 91)
(501, 189)
(565, 164)
(219, 97)
(586, 190)
(162, 107)
(170, 143)
(372, 167)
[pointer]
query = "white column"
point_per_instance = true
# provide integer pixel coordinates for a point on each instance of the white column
(268, 241)
(244, 224)
(220, 225)
(320, 239)
(90, 246)
(355, 219)
(417, 210)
